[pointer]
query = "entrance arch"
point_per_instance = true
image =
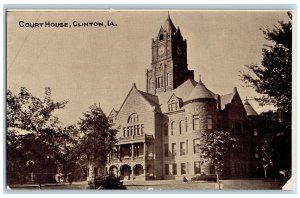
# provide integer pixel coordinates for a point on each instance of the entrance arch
(113, 170)
(125, 172)
(138, 170)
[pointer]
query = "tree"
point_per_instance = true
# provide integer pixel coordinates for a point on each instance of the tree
(98, 139)
(275, 148)
(214, 149)
(273, 79)
(32, 131)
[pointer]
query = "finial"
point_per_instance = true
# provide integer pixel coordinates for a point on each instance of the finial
(168, 14)
(199, 77)
(134, 85)
(234, 89)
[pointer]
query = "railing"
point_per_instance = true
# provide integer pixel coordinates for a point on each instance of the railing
(142, 137)
(114, 160)
(127, 159)
(138, 158)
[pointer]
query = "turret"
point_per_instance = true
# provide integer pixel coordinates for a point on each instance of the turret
(202, 105)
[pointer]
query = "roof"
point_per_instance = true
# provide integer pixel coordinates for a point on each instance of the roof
(181, 91)
(169, 25)
(249, 109)
(113, 111)
(152, 99)
(226, 99)
(201, 92)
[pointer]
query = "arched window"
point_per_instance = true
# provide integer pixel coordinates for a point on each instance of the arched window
(133, 118)
(181, 126)
(172, 127)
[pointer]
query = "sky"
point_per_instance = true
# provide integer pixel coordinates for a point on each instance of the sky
(90, 65)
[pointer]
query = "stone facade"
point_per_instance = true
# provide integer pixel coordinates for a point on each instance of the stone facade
(160, 128)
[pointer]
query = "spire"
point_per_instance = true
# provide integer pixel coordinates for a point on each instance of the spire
(178, 31)
(169, 25)
(200, 92)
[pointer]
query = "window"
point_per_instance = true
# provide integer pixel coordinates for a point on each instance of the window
(166, 150)
(138, 129)
(197, 168)
(133, 118)
(168, 79)
(142, 128)
(173, 149)
(149, 84)
(173, 106)
(182, 148)
(196, 147)
(209, 122)
(172, 128)
(128, 131)
(159, 82)
(174, 169)
(124, 131)
(167, 169)
(181, 126)
(131, 130)
(166, 129)
(187, 146)
(183, 168)
(161, 37)
(196, 122)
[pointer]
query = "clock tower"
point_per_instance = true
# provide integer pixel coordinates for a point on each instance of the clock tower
(169, 67)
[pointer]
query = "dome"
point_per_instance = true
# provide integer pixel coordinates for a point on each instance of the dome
(249, 109)
(200, 92)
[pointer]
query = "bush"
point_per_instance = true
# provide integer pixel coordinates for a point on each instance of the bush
(210, 178)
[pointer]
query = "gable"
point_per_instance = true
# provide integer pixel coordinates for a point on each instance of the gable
(133, 102)
(174, 98)
(236, 107)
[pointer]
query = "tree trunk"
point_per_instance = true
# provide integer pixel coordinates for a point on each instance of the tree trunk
(218, 180)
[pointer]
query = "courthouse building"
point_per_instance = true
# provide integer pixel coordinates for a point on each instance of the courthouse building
(159, 129)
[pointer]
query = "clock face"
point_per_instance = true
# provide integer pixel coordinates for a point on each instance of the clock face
(161, 50)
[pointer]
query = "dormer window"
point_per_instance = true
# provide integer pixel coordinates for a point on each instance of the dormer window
(174, 103)
(173, 106)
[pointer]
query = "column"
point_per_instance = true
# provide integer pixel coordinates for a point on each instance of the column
(132, 151)
(119, 152)
(144, 150)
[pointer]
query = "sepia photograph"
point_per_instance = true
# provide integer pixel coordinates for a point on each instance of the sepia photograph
(149, 100)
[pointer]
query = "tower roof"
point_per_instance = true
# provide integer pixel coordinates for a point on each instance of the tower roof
(169, 25)
(249, 109)
(200, 92)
